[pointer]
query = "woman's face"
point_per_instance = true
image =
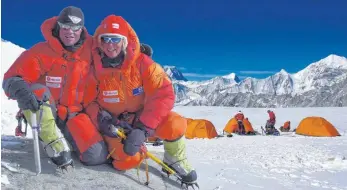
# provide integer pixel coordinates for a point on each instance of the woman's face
(111, 45)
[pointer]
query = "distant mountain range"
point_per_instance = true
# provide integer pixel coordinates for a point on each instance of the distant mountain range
(320, 84)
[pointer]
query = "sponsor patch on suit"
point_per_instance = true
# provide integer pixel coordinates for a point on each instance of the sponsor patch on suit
(53, 85)
(138, 91)
(53, 82)
(110, 93)
(111, 100)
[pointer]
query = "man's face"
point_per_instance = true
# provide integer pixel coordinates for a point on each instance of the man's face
(69, 35)
(111, 45)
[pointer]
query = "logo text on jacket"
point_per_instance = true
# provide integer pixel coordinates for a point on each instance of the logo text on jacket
(53, 82)
(110, 93)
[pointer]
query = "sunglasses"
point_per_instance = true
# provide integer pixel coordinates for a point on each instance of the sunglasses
(112, 39)
(73, 28)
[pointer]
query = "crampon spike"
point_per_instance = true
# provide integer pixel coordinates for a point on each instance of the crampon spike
(65, 167)
(192, 185)
(186, 185)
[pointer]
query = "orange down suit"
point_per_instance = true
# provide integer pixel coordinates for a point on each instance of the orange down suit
(48, 64)
(140, 85)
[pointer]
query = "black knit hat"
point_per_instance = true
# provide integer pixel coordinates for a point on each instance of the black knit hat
(72, 16)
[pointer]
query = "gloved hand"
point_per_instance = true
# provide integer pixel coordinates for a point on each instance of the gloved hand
(26, 99)
(136, 138)
(109, 124)
(105, 123)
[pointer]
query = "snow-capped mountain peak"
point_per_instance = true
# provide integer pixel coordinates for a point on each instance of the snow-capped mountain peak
(174, 73)
(325, 72)
(305, 88)
(333, 61)
(232, 76)
(283, 72)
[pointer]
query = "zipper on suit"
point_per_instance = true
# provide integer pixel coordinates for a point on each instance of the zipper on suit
(124, 90)
(63, 83)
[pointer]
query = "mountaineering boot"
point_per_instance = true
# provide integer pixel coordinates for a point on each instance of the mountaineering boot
(175, 157)
(51, 137)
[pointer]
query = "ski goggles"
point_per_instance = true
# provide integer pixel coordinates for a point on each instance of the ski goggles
(111, 39)
(72, 27)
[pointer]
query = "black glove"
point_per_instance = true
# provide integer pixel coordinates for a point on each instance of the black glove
(136, 138)
(105, 123)
(108, 124)
(146, 49)
(19, 90)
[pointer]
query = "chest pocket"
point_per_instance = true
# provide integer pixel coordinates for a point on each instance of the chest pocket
(55, 80)
(110, 89)
(110, 96)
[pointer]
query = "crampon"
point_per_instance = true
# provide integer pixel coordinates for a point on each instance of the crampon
(65, 168)
(185, 185)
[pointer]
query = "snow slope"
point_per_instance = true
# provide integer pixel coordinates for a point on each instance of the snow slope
(9, 53)
(254, 162)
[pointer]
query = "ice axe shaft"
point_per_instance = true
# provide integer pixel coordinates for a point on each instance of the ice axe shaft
(150, 155)
(35, 130)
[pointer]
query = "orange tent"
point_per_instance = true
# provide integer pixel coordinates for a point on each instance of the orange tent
(200, 128)
(248, 126)
(316, 126)
(151, 139)
(189, 120)
(232, 126)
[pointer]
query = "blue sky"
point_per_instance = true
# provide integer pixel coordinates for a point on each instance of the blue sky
(207, 38)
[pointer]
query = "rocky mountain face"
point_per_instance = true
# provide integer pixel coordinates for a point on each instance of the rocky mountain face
(323, 83)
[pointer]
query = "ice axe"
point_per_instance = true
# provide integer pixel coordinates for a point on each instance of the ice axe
(121, 134)
(35, 129)
(170, 171)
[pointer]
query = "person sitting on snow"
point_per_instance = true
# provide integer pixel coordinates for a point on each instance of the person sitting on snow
(129, 91)
(285, 127)
(239, 118)
(47, 79)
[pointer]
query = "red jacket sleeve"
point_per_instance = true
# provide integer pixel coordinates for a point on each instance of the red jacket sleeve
(27, 66)
(159, 93)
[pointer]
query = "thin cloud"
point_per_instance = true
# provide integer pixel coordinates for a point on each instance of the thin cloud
(225, 70)
(257, 72)
(180, 68)
(241, 77)
(199, 75)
